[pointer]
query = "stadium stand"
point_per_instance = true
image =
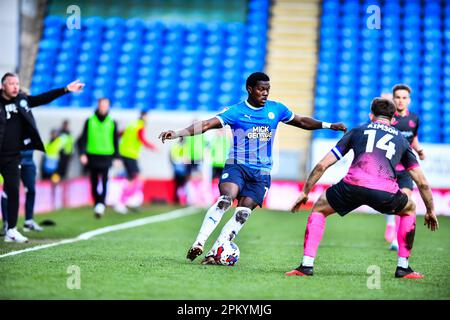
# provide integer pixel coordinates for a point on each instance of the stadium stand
(357, 63)
(291, 63)
(162, 60)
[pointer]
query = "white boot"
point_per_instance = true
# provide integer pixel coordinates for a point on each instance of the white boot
(99, 209)
(120, 208)
(12, 235)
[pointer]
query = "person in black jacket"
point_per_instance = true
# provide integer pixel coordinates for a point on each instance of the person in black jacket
(18, 132)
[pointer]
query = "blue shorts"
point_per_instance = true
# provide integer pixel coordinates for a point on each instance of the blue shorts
(252, 182)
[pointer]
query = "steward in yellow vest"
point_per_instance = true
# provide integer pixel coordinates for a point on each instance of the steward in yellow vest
(130, 145)
(67, 150)
(51, 157)
(131, 142)
(220, 147)
(98, 146)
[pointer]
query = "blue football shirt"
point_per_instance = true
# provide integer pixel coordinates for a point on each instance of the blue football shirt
(254, 132)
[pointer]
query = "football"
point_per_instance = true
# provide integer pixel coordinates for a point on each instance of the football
(227, 254)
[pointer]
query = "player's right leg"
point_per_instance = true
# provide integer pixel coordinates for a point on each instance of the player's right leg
(228, 192)
(313, 235)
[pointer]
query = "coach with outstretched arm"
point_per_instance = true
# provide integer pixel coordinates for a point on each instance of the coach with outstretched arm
(18, 132)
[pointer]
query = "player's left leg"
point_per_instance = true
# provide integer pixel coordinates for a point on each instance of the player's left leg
(313, 235)
(405, 238)
(231, 229)
(405, 183)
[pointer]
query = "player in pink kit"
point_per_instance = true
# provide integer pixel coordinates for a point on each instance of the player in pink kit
(408, 125)
(371, 180)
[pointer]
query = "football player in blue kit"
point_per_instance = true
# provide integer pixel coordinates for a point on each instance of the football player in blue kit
(246, 175)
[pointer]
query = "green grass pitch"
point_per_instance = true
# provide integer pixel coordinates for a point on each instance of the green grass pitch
(149, 262)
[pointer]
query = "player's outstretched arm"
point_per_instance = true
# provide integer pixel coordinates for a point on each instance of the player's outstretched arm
(198, 127)
(313, 177)
(308, 123)
(431, 220)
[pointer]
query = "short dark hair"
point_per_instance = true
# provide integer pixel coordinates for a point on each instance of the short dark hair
(253, 79)
(143, 113)
(383, 108)
(401, 86)
(8, 74)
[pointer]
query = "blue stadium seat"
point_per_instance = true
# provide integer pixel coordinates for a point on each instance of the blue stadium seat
(109, 52)
(80, 101)
(446, 118)
(115, 23)
(408, 37)
(431, 117)
(53, 21)
(53, 32)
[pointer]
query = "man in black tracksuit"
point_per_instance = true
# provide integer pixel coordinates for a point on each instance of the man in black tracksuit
(18, 132)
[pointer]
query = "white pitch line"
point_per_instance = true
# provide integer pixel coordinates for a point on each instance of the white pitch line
(131, 224)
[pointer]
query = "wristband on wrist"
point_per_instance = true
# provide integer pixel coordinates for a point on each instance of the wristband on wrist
(326, 125)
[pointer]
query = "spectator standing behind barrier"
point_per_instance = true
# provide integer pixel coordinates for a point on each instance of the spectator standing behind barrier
(180, 160)
(195, 146)
(66, 151)
(98, 146)
(220, 145)
(133, 138)
(50, 162)
(18, 132)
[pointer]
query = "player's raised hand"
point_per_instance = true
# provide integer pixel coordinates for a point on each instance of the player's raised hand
(84, 159)
(75, 86)
(167, 135)
(338, 127)
(431, 221)
(302, 199)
